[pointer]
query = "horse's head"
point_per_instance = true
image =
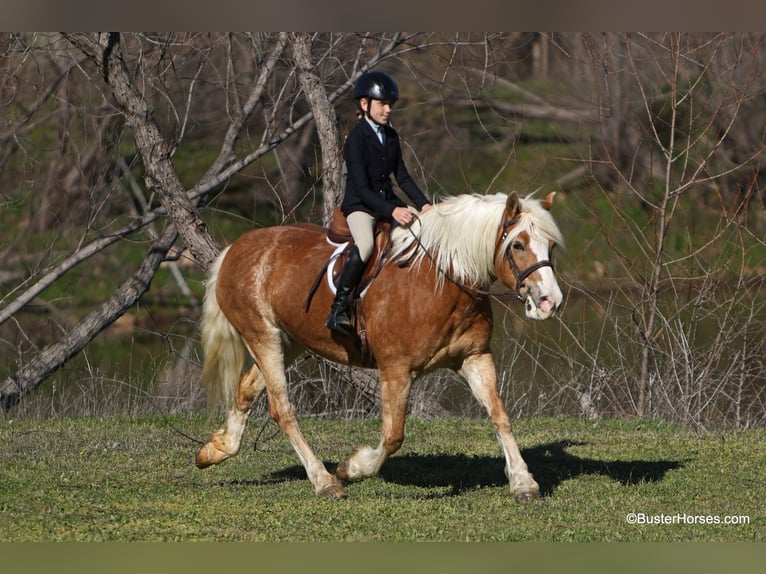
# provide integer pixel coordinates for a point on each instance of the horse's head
(524, 244)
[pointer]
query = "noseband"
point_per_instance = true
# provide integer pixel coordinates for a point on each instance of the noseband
(520, 276)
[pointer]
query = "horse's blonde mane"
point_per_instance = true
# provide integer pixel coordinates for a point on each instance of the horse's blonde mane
(458, 235)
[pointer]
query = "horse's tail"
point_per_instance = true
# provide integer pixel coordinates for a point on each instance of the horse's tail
(223, 348)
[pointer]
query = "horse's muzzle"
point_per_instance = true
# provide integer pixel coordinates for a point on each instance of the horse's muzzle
(543, 308)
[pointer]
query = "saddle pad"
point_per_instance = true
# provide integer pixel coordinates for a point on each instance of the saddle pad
(332, 273)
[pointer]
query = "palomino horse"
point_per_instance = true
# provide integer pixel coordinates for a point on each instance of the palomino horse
(427, 309)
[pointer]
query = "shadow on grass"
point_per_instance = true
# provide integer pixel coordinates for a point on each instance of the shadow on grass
(553, 465)
(550, 464)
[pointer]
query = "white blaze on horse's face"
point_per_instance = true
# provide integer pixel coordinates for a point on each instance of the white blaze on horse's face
(541, 292)
(523, 260)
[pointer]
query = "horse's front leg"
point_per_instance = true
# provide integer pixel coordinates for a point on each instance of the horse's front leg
(481, 375)
(366, 461)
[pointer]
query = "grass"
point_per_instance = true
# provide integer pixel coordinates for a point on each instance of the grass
(117, 479)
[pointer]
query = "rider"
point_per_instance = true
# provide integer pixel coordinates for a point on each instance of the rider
(372, 153)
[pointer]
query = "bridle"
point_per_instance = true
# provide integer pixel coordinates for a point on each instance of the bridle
(520, 276)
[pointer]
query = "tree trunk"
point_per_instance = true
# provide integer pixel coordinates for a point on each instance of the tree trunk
(156, 152)
(326, 124)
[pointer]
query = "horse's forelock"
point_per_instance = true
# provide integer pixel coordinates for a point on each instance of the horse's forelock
(537, 222)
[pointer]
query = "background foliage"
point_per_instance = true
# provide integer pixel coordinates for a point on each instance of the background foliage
(127, 160)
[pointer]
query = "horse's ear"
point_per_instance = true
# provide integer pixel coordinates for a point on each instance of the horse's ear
(512, 205)
(548, 201)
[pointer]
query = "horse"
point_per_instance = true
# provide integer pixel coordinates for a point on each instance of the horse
(428, 308)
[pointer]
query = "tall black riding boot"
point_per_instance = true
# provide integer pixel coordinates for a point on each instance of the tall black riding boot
(339, 320)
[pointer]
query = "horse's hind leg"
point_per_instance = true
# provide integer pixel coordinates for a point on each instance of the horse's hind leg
(271, 361)
(225, 442)
(480, 373)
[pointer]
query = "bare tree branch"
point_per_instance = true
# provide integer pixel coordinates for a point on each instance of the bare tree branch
(54, 356)
(234, 131)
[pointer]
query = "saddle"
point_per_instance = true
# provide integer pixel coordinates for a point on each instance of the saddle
(338, 232)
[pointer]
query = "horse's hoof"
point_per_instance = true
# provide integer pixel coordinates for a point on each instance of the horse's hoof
(526, 497)
(204, 459)
(332, 492)
(342, 471)
(209, 455)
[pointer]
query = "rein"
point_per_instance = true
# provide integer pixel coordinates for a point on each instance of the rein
(519, 276)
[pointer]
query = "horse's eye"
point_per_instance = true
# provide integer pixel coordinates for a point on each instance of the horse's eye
(518, 246)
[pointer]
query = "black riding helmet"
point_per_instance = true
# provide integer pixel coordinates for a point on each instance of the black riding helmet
(376, 86)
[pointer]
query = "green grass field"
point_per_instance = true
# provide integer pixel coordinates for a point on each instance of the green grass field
(108, 479)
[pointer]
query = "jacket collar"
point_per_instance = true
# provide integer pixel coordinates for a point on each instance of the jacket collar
(373, 131)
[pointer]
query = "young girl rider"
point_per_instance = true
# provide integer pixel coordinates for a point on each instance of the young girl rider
(372, 153)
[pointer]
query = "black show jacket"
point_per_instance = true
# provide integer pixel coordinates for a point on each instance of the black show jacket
(369, 166)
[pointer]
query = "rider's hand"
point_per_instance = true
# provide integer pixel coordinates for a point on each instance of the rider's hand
(403, 216)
